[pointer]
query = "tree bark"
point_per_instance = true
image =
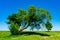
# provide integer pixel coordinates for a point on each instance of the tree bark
(19, 30)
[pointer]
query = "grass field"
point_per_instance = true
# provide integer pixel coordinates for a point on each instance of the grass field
(41, 35)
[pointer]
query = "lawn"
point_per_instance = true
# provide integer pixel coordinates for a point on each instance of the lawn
(27, 35)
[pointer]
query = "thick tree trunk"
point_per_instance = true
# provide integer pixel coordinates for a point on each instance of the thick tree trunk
(19, 30)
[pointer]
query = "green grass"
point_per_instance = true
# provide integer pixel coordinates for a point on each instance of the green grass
(54, 35)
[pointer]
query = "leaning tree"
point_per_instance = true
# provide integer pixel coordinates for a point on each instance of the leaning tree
(32, 17)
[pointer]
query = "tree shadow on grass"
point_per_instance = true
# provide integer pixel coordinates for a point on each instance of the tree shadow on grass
(27, 34)
(34, 33)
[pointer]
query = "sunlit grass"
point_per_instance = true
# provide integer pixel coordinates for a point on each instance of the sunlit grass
(55, 35)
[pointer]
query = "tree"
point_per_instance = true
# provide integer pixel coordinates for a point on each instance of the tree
(32, 18)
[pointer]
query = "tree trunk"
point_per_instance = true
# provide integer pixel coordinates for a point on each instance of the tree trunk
(19, 30)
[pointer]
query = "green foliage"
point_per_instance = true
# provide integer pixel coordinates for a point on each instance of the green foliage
(48, 26)
(14, 18)
(34, 17)
(13, 28)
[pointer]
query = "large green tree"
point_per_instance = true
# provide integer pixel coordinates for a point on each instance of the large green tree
(33, 18)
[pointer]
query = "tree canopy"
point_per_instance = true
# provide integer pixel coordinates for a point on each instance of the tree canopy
(32, 17)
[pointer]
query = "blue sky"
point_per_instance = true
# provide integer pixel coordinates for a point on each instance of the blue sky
(8, 7)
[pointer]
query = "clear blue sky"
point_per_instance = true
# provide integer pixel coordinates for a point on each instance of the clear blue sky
(8, 7)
